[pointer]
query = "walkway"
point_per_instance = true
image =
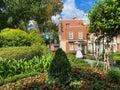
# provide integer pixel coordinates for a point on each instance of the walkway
(92, 62)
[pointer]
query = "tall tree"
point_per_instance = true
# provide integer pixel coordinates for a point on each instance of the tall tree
(105, 18)
(17, 12)
(105, 23)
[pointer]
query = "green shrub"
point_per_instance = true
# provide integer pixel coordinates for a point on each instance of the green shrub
(17, 77)
(80, 63)
(60, 68)
(9, 68)
(16, 37)
(99, 67)
(76, 62)
(83, 51)
(21, 52)
(114, 74)
(91, 57)
(71, 57)
(117, 58)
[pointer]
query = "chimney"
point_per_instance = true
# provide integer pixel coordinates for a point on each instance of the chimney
(74, 18)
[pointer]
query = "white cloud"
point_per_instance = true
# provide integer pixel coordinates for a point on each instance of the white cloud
(69, 11)
(55, 18)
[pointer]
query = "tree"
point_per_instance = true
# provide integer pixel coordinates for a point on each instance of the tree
(105, 23)
(105, 18)
(60, 68)
(17, 12)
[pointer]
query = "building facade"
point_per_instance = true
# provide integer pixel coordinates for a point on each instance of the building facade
(72, 33)
(92, 47)
(118, 43)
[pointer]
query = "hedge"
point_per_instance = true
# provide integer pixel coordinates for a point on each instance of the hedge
(17, 37)
(24, 52)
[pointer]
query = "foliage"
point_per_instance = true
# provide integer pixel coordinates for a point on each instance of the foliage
(16, 37)
(77, 84)
(71, 57)
(99, 67)
(116, 57)
(83, 51)
(60, 67)
(17, 77)
(76, 62)
(91, 57)
(105, 24)
(114, 74)
(93, 79)
(82, 79)
(9, 68)
(20, 12)
(30, 83)
(80, 63)
(105, 18)
(22, 52)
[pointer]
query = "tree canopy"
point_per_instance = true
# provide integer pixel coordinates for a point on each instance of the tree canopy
(105, 18)
(17, 13)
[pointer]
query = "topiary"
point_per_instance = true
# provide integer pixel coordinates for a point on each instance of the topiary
(60, 68)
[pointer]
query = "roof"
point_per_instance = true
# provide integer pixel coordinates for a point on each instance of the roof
(74, 21)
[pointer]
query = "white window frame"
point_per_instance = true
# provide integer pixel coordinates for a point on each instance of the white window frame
(80, 35)
(70, 35)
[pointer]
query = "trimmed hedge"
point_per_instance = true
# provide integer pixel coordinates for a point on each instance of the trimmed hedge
(17, 37)
(24, 52)
(117, 57)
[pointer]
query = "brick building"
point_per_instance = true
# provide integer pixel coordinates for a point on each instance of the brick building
(118, 43)
(72, 33)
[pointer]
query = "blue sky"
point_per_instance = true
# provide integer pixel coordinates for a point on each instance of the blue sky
(78, 8)
(84, 5)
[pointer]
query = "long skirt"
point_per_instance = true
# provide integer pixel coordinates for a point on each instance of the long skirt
(79, 54)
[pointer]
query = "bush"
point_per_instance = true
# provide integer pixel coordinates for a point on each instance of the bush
(9, 68)
(117, 58)
(91, 57)
(60, 68)
(21, 52)
(83, 51)
(114, 74)
(16, 37)
(17, 77)
(80, 63)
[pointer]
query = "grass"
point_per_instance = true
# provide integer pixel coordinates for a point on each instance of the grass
(79, 63)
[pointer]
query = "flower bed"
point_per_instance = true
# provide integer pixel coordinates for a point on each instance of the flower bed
(81, 79)
(26, 84)
(94, 79)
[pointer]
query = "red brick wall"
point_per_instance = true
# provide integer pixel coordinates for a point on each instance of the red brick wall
(74, 26)
(118, 47)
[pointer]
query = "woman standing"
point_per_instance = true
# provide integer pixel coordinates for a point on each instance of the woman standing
(79, 53)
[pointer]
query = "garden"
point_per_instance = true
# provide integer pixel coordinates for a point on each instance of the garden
(27, 64)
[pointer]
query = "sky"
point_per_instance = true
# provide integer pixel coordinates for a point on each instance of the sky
(72, 8)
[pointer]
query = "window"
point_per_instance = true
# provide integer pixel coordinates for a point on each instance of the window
(80, 35)
(71, 46)
(70, 35)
